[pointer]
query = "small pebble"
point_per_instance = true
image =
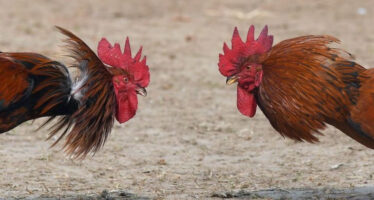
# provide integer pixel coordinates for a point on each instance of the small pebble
(361, 11)
(337, 166)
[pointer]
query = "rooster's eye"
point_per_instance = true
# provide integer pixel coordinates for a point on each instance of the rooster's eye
(125, 79)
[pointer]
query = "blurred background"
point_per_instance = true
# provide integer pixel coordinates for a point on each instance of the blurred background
(187, 140)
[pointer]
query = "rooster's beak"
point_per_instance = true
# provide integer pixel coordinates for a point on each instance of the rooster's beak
(141, 91)
(231, 79)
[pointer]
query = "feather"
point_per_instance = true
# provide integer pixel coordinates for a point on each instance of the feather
(87, 128)
(309, 84)
(39, 87)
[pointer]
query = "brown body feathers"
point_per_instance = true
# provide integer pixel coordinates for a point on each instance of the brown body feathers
(34, 86)
(307, 84)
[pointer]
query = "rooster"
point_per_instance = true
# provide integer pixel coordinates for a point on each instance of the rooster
(301, 84)
(34, 86)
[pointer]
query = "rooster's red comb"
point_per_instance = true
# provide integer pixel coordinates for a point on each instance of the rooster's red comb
(112, 55)
(228, 62)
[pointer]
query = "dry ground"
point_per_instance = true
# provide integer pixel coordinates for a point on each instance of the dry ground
(187, 140)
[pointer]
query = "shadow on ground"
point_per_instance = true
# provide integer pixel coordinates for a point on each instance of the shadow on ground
(357, 193)
(105, 195)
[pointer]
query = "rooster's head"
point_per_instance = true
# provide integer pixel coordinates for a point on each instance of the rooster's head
(242, 64)
(130, 76)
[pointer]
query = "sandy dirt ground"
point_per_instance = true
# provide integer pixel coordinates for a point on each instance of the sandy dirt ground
(187, 141)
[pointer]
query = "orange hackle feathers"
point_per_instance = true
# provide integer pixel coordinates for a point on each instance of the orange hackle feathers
(88, 127)
(303, 81)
